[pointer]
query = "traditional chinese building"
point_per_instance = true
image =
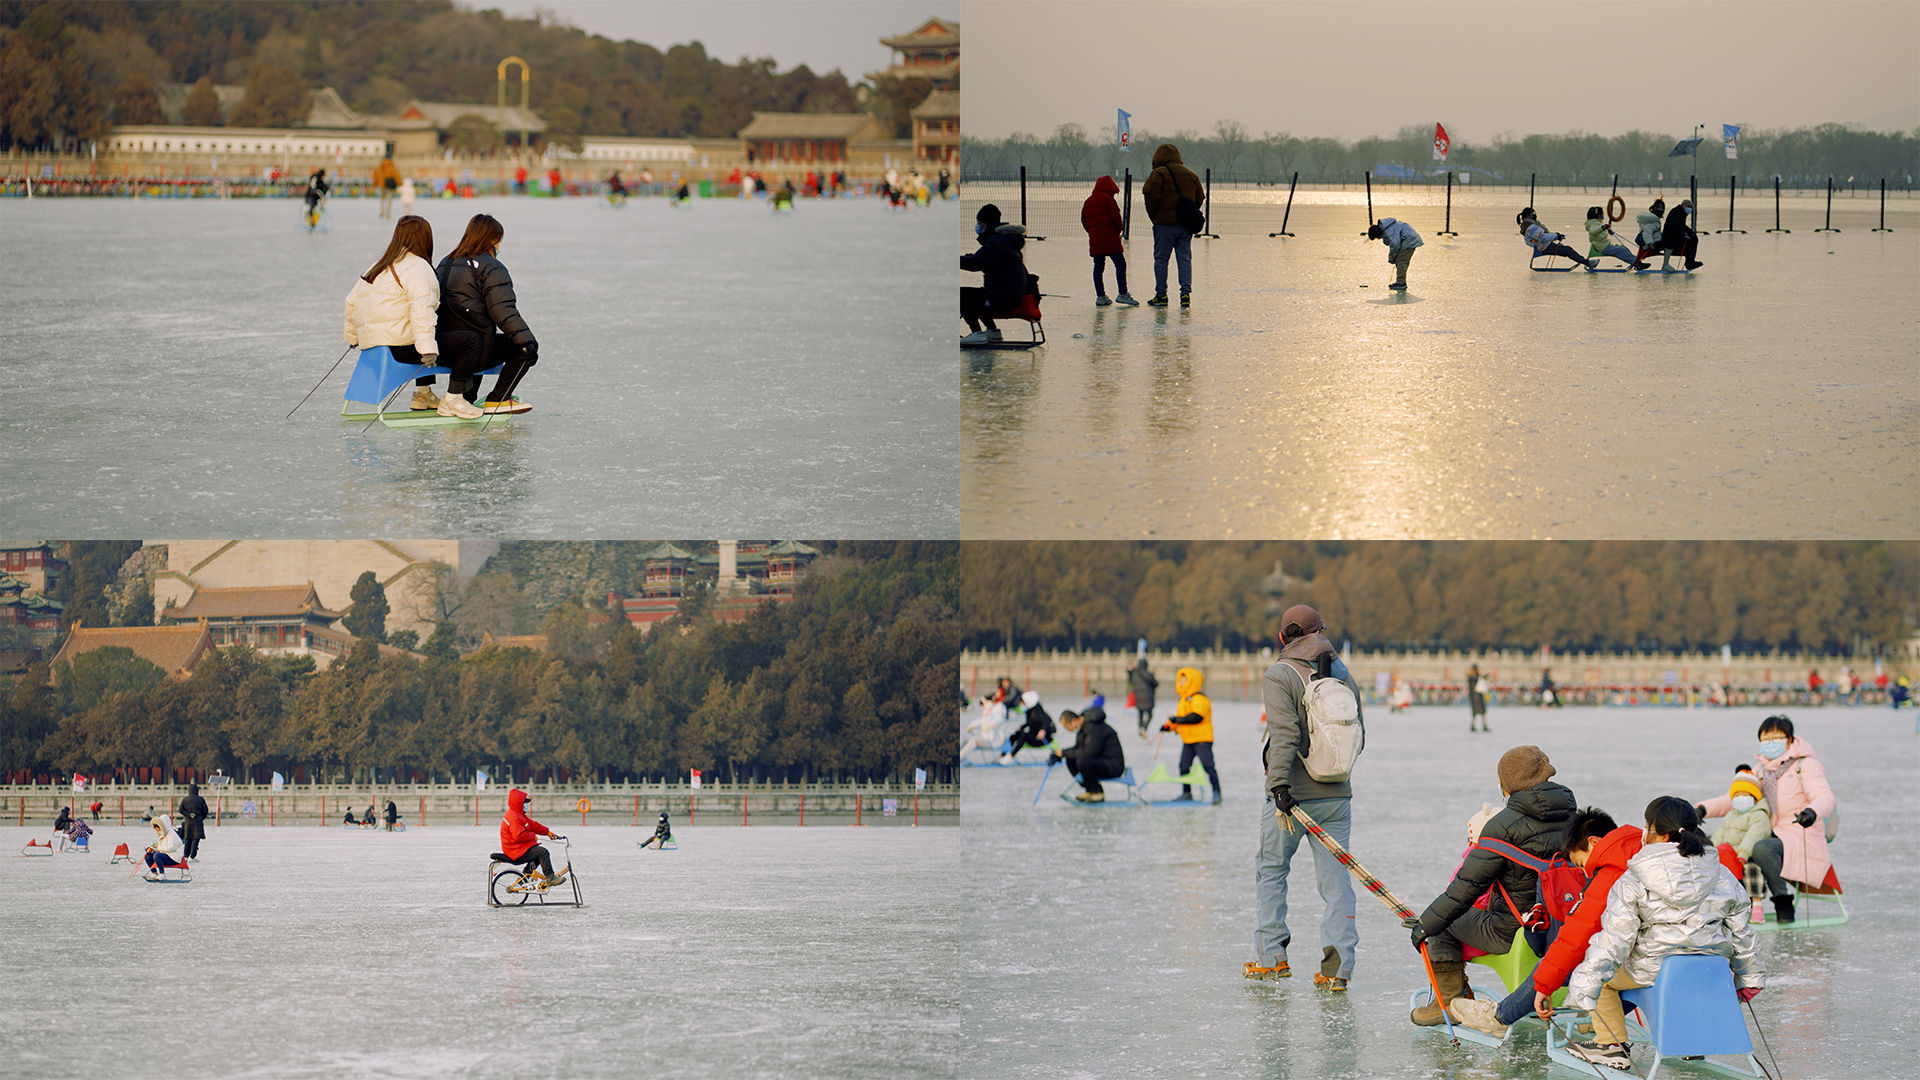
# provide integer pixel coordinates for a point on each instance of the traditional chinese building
(279, 620)
(173, 649)
(744, 574)
(931, 52)
(23, 609)
(936, 128)
(38, 565)
(809, 140)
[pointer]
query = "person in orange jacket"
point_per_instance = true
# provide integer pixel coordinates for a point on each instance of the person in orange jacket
(517, 843)
(1193, 719)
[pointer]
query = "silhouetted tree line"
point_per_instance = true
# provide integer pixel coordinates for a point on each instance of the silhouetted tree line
(69, 69)
(1594, 596)
(854, 677)
(1801, 156)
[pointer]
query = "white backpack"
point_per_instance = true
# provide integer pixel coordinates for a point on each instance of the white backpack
(1334, 734)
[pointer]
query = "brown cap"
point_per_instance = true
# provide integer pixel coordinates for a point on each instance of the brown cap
(1523, 767)
(1302, 616)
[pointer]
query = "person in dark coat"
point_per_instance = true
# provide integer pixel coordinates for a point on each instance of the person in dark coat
(662, 833)
(193, 814)
(1003, 286)
(1095, 755)
(1141, 680)
(480, 323)
(64, 821)
(1678, 238)
(392, 814)
(1534, 820)
(1100, 217)
(1170, 182)
(1036, 729)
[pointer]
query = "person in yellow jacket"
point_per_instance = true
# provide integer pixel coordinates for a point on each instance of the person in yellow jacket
(1193, 719)
(387, 179)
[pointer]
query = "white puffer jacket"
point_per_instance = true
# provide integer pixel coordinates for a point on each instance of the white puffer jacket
(396, 307)
(1667, 903)
(168, 842)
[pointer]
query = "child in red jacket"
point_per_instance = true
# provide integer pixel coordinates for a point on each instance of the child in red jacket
(1100, 216)
(517, 832)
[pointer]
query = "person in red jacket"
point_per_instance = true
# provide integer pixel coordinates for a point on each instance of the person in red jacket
(1100, 216)
(517, 832)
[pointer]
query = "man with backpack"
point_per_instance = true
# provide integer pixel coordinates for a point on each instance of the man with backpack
(1507, 862)
(1172, 196)
(1314, 733)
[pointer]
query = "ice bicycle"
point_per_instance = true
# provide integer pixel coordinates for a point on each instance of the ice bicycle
(519, 883)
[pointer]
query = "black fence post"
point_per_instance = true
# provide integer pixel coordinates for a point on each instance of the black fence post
(1126, 209)
(1883, 206)
(1370, 218)
(1291, 184)
(1530, 179)
(1693, 195)
(1023, 203)
(1206, 230)
(1733, 182)
(1448, 230)
(1776, 208)
(1829, 226)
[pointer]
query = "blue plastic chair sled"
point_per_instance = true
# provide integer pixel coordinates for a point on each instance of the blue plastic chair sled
(376, 378)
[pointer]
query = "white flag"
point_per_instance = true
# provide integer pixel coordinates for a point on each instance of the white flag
(79, 783)
(696, 779)
(1732, 133)
(279, 781)
(479, 780)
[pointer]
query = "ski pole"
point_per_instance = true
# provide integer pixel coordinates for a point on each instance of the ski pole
(1775, 1075)
(317, 385)
(1043, 783)
(1386, 896)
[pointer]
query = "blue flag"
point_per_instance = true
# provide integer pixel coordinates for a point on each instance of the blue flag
(479, 780)
(1732, 133)
(919, 779)
(278, 781)
(1126, 130)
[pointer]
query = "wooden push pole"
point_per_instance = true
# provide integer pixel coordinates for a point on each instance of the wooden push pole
(803, 808)
(856, 810)
(743, 808)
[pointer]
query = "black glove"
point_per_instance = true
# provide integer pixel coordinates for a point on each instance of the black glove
(1805, 818)
(1419, 935)
(1167, 726)
(1053, 759)
(1283, 800)
(531, 350)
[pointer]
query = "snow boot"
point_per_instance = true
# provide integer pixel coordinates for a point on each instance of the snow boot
(1452, 977)
(1783, 908)
(1279, 970)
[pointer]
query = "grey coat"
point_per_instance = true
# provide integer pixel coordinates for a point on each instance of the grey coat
(1667, 903)
(1141, 680)
(1281, 689)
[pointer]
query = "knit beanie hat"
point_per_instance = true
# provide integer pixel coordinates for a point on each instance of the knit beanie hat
(1745, 783)
(988, 214)
(1523, 767)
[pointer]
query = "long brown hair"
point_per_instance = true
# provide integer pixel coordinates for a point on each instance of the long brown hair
(483, 235)
(410, 234)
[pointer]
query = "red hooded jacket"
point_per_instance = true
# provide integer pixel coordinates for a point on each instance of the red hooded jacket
(518, 831)
(1605, 863)
(1100, 216)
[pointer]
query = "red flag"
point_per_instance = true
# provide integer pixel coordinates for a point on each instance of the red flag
(79, 783)
(1441, 144)
(696, 779)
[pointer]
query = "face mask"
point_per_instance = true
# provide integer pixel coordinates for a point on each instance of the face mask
(979, 228)
(1772, 748)
(1742, 803)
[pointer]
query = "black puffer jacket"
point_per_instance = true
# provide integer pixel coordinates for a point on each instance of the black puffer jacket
(1535, 821)
(1677, 232)
(1038, 725)
(1096, 742)
(1142, 682)
(476, 296)
(998, 261)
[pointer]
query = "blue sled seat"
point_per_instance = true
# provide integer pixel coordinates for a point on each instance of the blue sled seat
(377, 375)
(1125, 779)
(1691, 1009)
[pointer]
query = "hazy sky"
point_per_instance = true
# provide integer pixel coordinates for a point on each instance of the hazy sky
(822, 34)
(1349, 69)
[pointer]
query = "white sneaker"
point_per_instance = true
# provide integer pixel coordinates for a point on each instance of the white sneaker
(1478, 1014)
(1101, 301)
(1006, 759)
(978, 337)
(423, 399)
(456, 406)
(1123, 298)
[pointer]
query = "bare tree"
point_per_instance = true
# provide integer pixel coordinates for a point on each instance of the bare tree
(1232, 138)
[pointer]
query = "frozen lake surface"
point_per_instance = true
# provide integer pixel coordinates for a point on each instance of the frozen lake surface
(815, 952)
(1770, 394)
(702, 372)
(1108, 942)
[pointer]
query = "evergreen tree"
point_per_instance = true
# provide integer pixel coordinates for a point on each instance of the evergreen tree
(367, 616)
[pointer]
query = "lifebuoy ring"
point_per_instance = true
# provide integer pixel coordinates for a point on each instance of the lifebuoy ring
(583, 805)
(1616, 209)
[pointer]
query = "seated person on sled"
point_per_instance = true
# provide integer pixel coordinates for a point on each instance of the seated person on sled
(1547, 243)
(1801, 802)
(1534, 820)
(1035, 730)
(517, 843)
(662, 833)
(1674, 897)
(1095, 755)
(167, 848)
(1598, 233)
(1004, 276)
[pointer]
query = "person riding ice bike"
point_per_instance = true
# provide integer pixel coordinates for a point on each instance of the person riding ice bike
(517, 833)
